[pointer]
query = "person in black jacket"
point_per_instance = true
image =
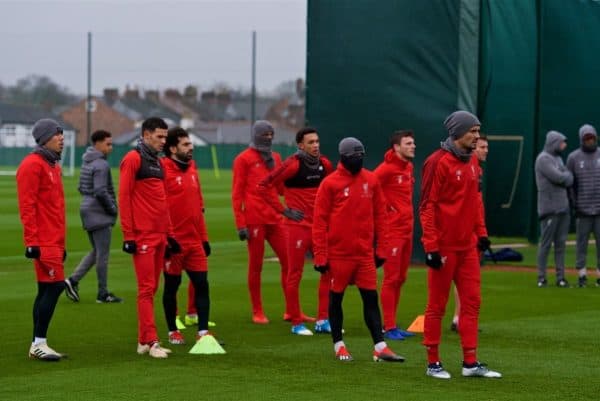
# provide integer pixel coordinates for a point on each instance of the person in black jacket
(98, 214)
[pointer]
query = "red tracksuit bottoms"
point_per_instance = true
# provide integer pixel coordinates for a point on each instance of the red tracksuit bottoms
(299, 242)
(395, 271)
(148, 262)
(276, 236)
(462, 267)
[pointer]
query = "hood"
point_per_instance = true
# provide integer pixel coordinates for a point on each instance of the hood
(92, 154)
(586, 129)
(553, 141)
(391, 157)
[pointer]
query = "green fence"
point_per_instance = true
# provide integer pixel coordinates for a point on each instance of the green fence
(524, 66)
(203, 155)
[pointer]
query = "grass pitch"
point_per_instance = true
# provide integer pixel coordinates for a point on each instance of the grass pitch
(544, 341)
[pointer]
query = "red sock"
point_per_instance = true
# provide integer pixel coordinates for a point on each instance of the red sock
(433, 354)
(469, 356)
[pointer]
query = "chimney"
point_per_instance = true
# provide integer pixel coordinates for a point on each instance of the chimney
(132, 93)
(209, 97)
(224, 98)
(111, 95)
(300, 88)
(172, 94)
(152, 95)
(191, 93)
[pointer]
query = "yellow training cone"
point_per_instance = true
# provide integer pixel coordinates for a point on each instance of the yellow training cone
(207, 344)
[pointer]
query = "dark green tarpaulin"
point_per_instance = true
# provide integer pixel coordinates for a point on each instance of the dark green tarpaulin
(524, 66)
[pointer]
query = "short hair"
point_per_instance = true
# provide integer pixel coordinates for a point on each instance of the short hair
(397, 136)
(100, 135)
(152, 123)
(304, 131)
(483, 137)
(173, 136)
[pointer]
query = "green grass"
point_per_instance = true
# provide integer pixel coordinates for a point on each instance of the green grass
(544, 341)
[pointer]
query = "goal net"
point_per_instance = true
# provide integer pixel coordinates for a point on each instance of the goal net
(16, 142)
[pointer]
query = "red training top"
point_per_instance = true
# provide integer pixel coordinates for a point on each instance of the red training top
(451, 208)
(349, 217)
(186, 205)
(41, 202)
(249, 169)
(142, 198)
(397, 181)
(300, 185)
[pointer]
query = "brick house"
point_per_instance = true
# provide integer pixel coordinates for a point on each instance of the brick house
(103, 117)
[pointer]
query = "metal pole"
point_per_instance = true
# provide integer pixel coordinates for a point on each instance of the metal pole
(88, 105)
(253, 98)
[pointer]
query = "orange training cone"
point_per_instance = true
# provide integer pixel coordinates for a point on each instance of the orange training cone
(417, 325)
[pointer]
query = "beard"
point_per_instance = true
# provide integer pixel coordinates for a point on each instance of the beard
(184, 156)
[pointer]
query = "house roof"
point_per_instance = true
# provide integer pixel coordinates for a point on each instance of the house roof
(138, 109)
(239, 132)
(239, 109)
(130, 138)
(26, 115)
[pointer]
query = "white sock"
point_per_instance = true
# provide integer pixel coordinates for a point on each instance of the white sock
(338, 345)
(582, 272)
(322, 321)
(455, 320)
(171, 332)
(39, 340)
(380, 346)
(192, 315)
(202, 332)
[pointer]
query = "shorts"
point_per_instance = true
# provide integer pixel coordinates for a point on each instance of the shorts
(49, 267)
(191, 258)
(359, 272)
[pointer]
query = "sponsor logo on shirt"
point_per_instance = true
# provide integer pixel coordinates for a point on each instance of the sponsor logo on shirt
(458, 175)
(179, 180)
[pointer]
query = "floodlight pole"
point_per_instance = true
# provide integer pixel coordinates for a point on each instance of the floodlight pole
(88, 105)
(253, 95)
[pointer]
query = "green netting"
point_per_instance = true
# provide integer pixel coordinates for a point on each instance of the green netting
(570, 60)
(374, 68)
(506, 109)
(526, 66)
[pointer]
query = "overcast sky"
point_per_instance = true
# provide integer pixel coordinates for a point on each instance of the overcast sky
(153, 44)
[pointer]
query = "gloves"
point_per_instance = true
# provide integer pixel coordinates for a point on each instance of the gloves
(483, 243)
(206, 246)
(129, 247)
(379, 261)
(173, 245)
(322, 268)
(293, 214)
(64, 255)
(433, 260)
(243, 234)
(33, 252)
